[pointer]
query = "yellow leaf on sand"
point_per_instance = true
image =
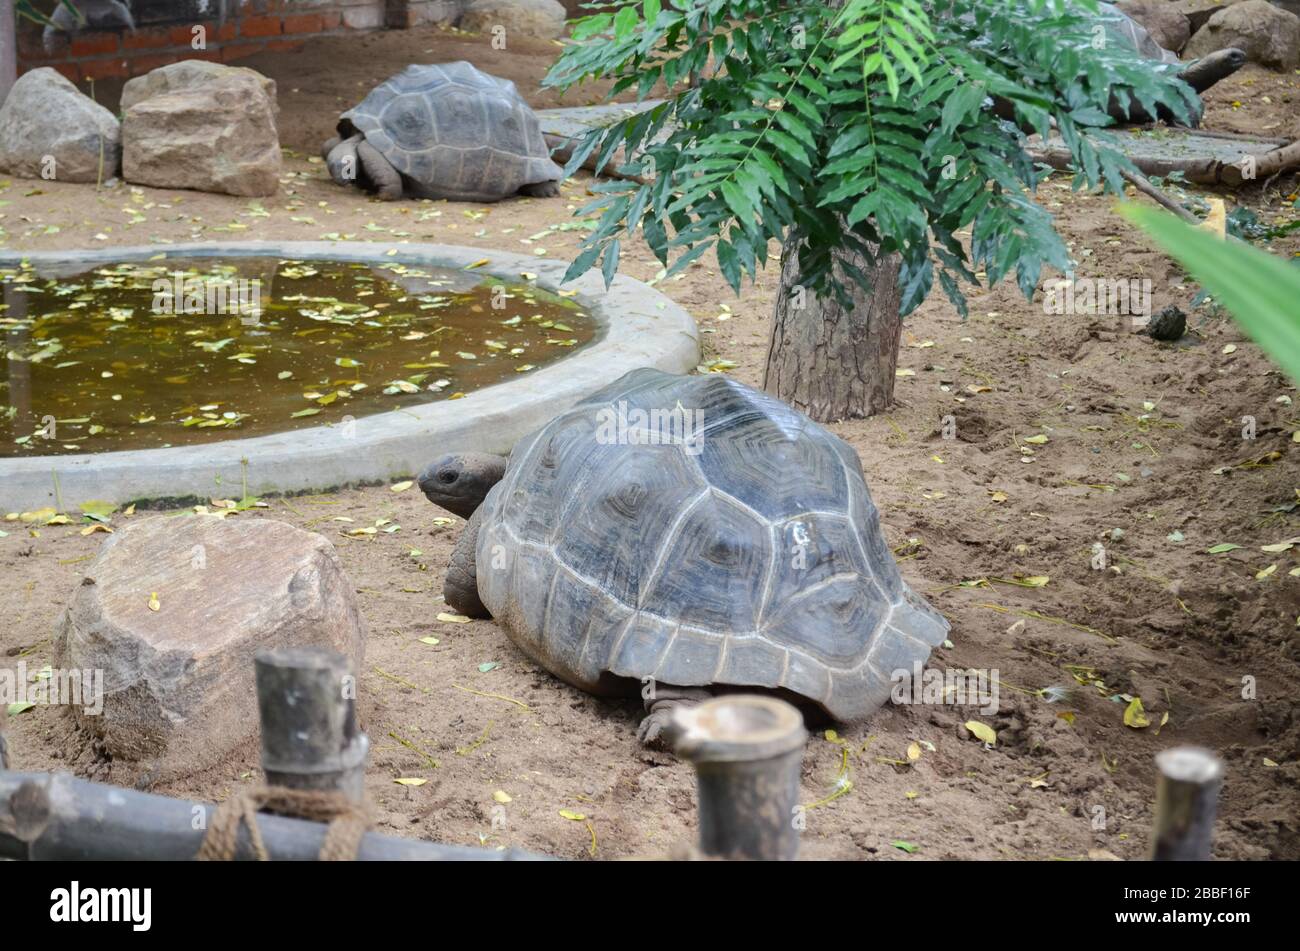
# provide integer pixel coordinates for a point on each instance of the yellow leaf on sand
(1269, 762)
(97, 527)
(405, 781)
(1036, 440)
(572, 816)
(914, 751)
(502, 796)
(999, 496)
(1216, 222)
(1261, 575)
(1135, 716)
(1036, 581)
(982, 731)
(453, 618)
(154, 603)
(401, 486)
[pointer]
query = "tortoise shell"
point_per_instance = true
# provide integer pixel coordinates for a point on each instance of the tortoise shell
(454, 132)
(738, 545)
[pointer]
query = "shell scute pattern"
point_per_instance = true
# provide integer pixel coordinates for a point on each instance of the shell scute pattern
(455, 131)
(754, 559)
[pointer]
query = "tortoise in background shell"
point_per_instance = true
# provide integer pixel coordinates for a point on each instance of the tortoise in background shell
(738, 548)
(447, 131)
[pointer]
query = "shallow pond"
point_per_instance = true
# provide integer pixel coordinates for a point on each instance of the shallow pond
(143, 355)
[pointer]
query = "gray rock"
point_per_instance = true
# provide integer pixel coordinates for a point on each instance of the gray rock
(1167, 24)
(539, 18)
(190, 74)
(1268, 35)
(172, 611)
(218, 136)
(49, 129)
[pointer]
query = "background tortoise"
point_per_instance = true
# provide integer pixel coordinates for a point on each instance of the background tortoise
(447, 131)
(750, 555)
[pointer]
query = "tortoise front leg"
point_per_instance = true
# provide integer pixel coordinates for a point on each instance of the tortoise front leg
(660, 705)
(381, 174)
(460, 589)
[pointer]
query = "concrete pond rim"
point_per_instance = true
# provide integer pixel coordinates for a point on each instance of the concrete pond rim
(637, 326)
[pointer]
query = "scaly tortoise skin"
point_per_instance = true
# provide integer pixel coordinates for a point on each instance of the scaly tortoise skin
(610, 563)
(450, 131)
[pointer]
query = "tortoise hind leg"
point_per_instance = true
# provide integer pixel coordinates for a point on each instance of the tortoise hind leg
(460, 589)
(661, 703)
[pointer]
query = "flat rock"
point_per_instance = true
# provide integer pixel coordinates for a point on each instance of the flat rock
(49, 129)
(218, 136)
(190, 74)
(541, 18)
(173, 610)
(1268, 35)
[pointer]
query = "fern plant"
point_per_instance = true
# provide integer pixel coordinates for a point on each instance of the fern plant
(876, 131)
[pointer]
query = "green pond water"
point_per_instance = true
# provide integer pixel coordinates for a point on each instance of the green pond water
(173, 352)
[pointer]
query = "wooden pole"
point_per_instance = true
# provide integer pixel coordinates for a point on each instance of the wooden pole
(310, 741)
(748, 753)
(1187, 794)
(8, 48)
(56, 817)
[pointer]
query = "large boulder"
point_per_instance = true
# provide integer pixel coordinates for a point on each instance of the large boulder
(218, 136)
(48, 129)
(172, 611)
(540, 18)
(1167, 24)
(189, 74)
(1268, 35)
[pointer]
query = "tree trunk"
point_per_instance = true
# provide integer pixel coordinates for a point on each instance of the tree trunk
(830, 360)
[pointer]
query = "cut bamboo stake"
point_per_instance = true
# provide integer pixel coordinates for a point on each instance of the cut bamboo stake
(1187, 794)
(747, 751)
(307, 700)
(56, 817)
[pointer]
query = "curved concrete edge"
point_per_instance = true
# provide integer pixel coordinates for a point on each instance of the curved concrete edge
(639, 327)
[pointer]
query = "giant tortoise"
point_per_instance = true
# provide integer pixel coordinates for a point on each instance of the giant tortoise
(444, 131)
(682, 532)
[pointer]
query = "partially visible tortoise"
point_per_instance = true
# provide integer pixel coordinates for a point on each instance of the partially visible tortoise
(746, 554)
(446, 131)
(1200, 75)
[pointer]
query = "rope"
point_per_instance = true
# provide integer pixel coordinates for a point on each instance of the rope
(348, 822)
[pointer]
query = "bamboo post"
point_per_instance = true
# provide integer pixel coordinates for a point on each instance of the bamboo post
(1187, 795)
(56, 817)
(747, 751)
(310, 741)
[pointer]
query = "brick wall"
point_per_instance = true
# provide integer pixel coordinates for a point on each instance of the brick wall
(165, 32)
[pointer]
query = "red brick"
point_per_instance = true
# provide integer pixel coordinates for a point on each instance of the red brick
(69, 70)
(94, 44)
(104, 68)
(152, 39)
(143, 64)
(284, 46)
(331, 20)
(240, 50)
(307, 23)
(259, 26)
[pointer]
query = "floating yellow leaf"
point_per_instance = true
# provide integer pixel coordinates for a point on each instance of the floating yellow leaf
(982, 731)
(1135, 716)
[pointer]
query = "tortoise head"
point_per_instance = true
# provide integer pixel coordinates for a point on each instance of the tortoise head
(459, 481)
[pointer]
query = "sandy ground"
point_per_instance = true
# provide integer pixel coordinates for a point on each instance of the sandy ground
(1138, 435)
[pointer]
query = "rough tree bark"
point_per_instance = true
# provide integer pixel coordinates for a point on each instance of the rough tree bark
(830, 360)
